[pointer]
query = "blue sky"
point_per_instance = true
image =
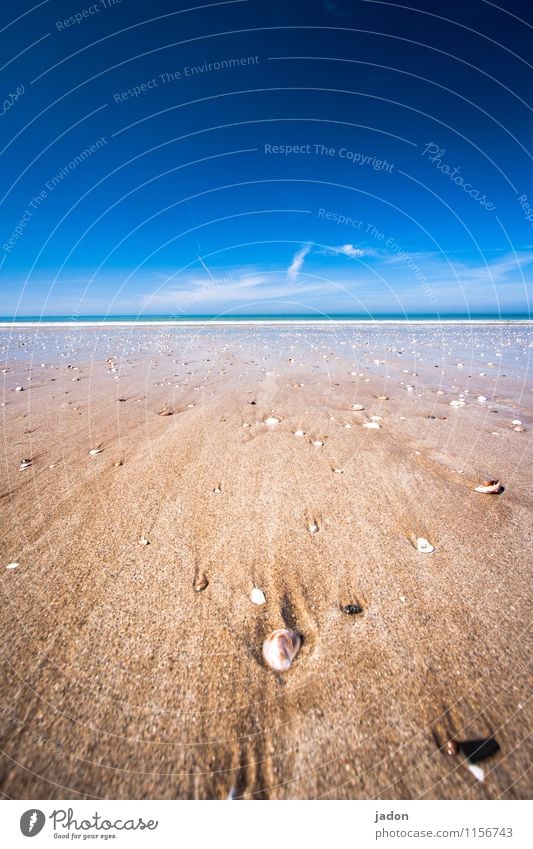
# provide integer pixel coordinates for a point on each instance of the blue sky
(323, 156)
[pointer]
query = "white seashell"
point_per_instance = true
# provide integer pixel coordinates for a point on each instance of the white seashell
(423, 546)
(217, 490)
(347, 426)
(357, 407)
(24, 464)
(144, 541)
(11, 565)
(317, 443)
(299, 433)
(312, 528)
(489, 487)
(476, 771)
(376, 418)
(94, 451)
(280, 648)
(516, 422)
(257, 596)
(338, 471)
(272, 420)
(372, 425)
(456, 403)
(481, 399)
(19, 389)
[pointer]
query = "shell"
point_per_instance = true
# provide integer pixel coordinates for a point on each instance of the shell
(165, 412)
(312, 528)
(280, 648)
(489, 487)
(424, 547)
(357, 407)
(144, 541)
(317, 443)
(257, 596)
(11, 565)
(457, 403)
(299, 433)
(25, 464)
(476, 771)
(272, 420)
(94, 451)
(201, 584)
(372, 425)
(383, 397)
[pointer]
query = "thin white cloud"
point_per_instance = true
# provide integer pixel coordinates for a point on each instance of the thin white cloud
(350, 250)
(297, 262)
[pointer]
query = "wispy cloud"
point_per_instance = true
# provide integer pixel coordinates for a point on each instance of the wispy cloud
(350, 250)
(297, 262)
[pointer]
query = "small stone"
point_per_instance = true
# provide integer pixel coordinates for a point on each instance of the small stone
(352, 609)
(451, 748)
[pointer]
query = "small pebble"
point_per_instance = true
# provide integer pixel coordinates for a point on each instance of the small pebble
(352, 609)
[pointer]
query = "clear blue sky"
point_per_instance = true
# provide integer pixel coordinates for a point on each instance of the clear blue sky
(281, 156)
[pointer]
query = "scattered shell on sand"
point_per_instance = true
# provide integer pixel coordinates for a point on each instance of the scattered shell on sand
(312, 528)
(19, 389)
(516, 422)
(519, 428)
(299, 432)
(280, 648)
(165, 412)
(492, 487)
(257, 596)
(357, 407)
(477, 771)
(216, 490)
(144, 541)
(12, 566)
(481, 399)
(94, 451)
(201, 584)
(372, 425)
(456, 403)
(317, 443)
(383, 397)
(272, 420)
(25, 464)
(424, 546)
(338, 471)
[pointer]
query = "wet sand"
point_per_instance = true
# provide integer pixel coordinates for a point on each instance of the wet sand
(120, 681)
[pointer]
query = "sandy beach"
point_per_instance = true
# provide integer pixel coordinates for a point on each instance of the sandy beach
(121, 680)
